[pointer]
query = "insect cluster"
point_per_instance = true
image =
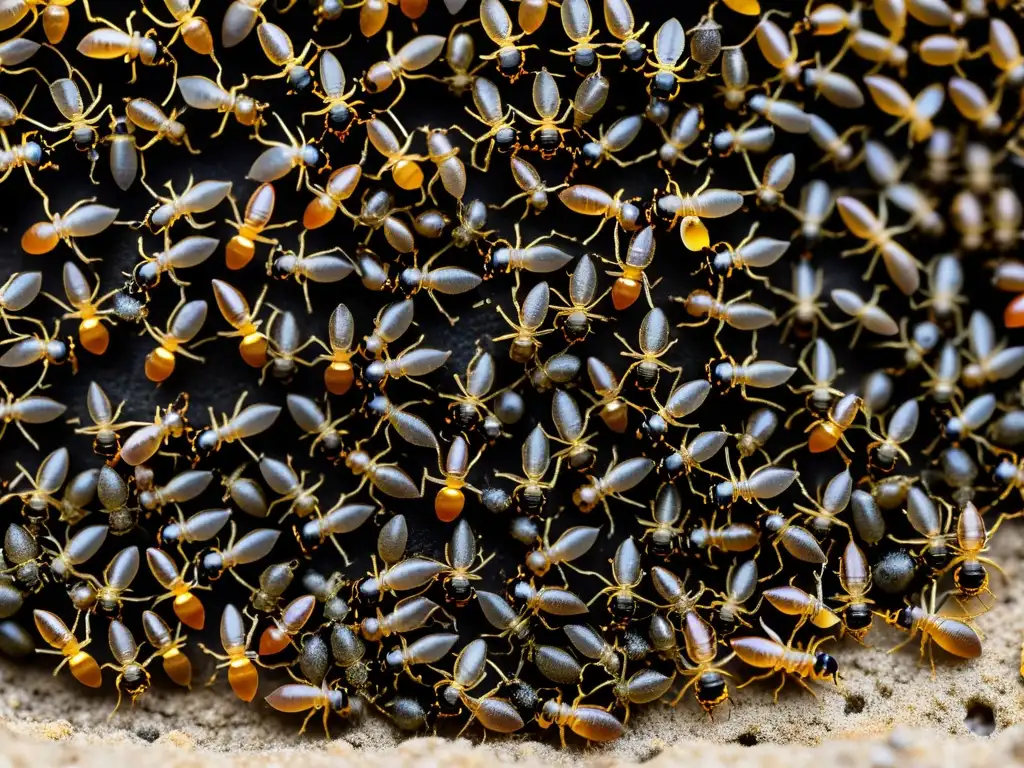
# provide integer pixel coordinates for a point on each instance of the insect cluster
(631, 470)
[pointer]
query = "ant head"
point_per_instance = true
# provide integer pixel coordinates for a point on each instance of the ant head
(633, 51)
(826, 666)
(510, 61)
(858, 617)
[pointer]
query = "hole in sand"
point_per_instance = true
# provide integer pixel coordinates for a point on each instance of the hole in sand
(747, 739)
(854, 704)
(981, 718)
(650, 755)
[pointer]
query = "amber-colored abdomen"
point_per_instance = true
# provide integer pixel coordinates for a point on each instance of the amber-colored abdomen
(822, 439)
(616, 417)
(695, 234)
(408, 175)
(625, 292)
(40, 238)
(189, 609)
(1013, 316)
(159, 365)
(273, 640)
(413, 9)
(86, 670)
(448, 504)
(319, 212)
(55, 23)
(178, 668)
(239, 252)
(338, 378)
(244, 679)
(253, 349)
(94, 335)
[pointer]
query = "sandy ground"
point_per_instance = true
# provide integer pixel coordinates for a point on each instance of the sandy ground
(880, 692)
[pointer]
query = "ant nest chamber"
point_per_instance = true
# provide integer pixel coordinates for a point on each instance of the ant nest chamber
(468, 381)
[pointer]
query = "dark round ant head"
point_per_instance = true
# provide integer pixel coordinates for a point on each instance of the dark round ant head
(629, 216)
(28, 574)
(636, 646)
(134, 678)
(936, 557)
(661, 543)
(458, 590)
(721, 263)
(531, 499)
(970, 577)
(953, 429)
(82, 595)
(521, 592)
(169, 534)
(449, 701)
(826, 666)
(591, 152)
(330, 446)
(905, 618)
(505, 139)
(299, 79)
(672, 465)
(819, 402)
(584, 59)
(327, 10)
(632, 51)
(309, 536)
(338, 700)
(653, 428)
(492, 429)
(883, 459)
(60, 350)
(497, 261)
(1004, 472)
(409, 281)
(622, 607)
(581, 459)
(281, 268)
(710, 689)
(146, 275)
(106, 445)
(662, 85)
(720, 373)
(368, 590)
(858, 617)
(646, 378)
(33, 152)
(375, 373)
(549, 139)
(725, 622)
(721, 495)
(319, 158)
(465, 416)
(510, 61)
(209, 565)
(523, 697)
(340, 117)
(206, 443)
(336, 609)
(576, 327)
(84, 138)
